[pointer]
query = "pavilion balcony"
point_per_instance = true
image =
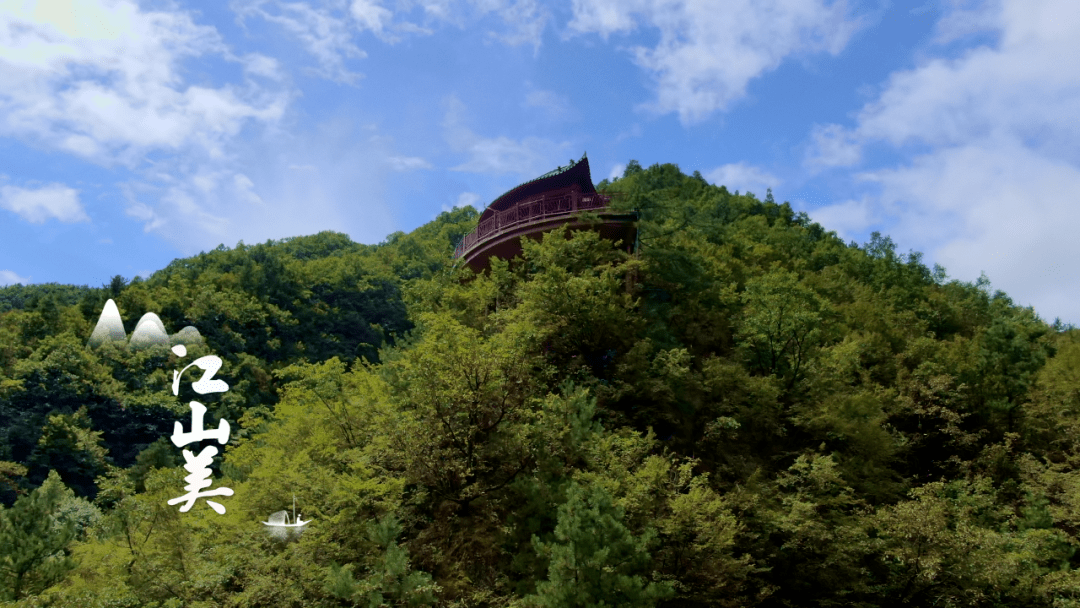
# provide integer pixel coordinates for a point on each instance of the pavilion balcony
(499, 232)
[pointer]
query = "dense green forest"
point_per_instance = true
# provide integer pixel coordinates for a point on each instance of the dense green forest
(745, 412)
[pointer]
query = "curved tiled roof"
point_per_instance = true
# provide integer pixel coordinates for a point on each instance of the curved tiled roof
(561, 177)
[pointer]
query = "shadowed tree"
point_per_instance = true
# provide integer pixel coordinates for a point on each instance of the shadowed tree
(391, 581)
(32, 546)
(116, 285)
(69, 445)
(595, 560)
(781, 323)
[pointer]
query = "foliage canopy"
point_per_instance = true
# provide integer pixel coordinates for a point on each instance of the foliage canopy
(745, 411)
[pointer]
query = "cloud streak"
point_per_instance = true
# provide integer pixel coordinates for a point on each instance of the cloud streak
(497, 155)
(8, 277)
(706, 57)
(324, 33)
(37, 205)
(743, 177)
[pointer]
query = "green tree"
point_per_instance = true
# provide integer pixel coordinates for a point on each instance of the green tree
(462, 402)
(161, 454)
(468, 394)
(821, 546)
(58, 376)
(781, 323)
(69, 445)
(953, 544)
(33, 549)
(391, 581)
(9, 472)
(1011, 350)
(595, 561)
(116, 285)
(1052, 426)
(576, 303)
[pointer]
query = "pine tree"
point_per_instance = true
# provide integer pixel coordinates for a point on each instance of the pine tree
(69, 445)
(391, 581)
(594, 557)
(32, 547)
(116, 285)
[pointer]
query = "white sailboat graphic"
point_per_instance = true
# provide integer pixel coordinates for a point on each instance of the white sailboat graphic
(282, 527)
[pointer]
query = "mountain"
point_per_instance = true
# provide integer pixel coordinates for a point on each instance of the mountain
(745, 411)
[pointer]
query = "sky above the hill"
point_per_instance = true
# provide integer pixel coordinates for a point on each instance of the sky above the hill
(133, 133)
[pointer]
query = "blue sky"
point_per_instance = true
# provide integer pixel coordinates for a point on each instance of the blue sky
(133, 133)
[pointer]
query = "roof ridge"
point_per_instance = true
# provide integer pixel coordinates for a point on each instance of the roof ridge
(556, 171)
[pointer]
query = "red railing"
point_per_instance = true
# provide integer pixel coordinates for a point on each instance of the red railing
(544, 207)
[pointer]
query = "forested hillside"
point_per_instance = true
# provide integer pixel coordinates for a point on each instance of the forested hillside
(746, 412)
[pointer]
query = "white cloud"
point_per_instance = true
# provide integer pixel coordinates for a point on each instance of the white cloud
(327, 29)
(324, 32)
(605, 16)
(370, 15)
(832, 146)
(997, 207)
(616, 171)
(1019, 90)
(38, 205)
(526, 20)
(707, 54)
(331, 177)
(996, 167)
(555, 105)
(261, 65)
(144, 213)
(634, 131)
(99, 79)
(961, 21)
(469, 198)
(245, 189)
(849, 219)
(407, 163)
(8, 277)
(988, 92)
(742, 177)
(922, 10)
(505, 155)
(502, 154)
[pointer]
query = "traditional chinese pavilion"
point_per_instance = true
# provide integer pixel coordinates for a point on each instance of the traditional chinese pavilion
(537, 206)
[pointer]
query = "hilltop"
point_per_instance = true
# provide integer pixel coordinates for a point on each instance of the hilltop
(745, 412)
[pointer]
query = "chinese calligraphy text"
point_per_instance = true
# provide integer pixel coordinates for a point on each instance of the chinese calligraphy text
(199, 466)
